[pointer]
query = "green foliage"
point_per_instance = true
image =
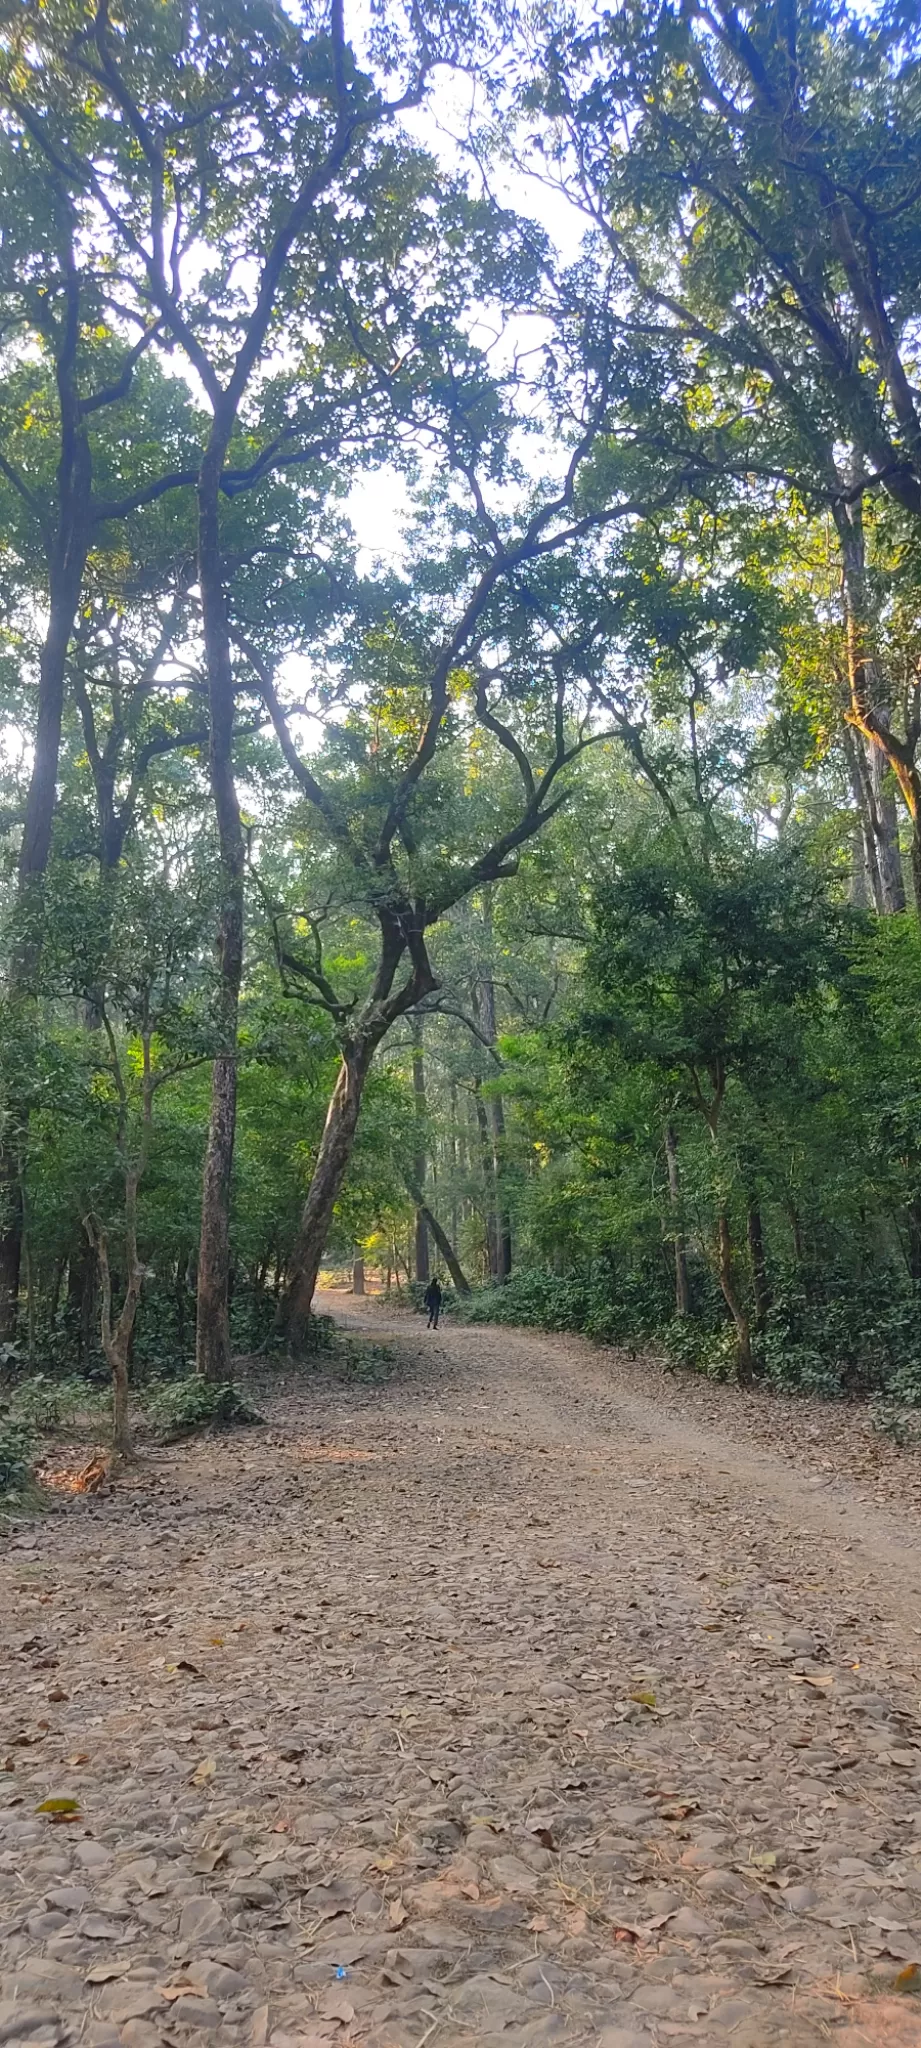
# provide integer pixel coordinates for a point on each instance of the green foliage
(17, 1450)
(181, 1407)
(42, 1403)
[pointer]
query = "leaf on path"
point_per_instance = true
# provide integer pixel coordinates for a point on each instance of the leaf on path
(106, 1973)
(179, 1990)
(909, 1979)
(821, 1682)
(207, 1860)
(335, 2006)
(644, 1698)
(204, 1771)
(81, 1757)
(767, 1860)
(59, 1809)
(397, 1913)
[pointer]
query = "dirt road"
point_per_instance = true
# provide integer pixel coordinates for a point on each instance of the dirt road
(516, 1695)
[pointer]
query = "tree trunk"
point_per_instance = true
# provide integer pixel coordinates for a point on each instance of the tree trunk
(459, 1280)
(328, 1176)
(489, 1184)
(10, 1243)
(869, 714)
(358, 1276)
(503, 1222)
(744, 1367)
(116, 1342)
(458, 1277)
(682, 1288)
(420, 1162)
(760, 1288)
(212, 1338)
(914, 1239)
(66, 576)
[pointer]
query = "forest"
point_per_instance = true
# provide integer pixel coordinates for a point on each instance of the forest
(460, 657)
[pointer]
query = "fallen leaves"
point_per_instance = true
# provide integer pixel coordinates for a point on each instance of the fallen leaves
(60, 1809)
(204, 1772)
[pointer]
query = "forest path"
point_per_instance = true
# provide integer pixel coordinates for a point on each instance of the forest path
(516, 1695)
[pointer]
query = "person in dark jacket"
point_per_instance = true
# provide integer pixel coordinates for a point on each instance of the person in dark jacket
(432, 1300)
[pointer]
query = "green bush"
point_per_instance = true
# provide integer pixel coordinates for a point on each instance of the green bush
(701, 1347)
(44, 1403)
(612, 1309)
(17, 1449)
(179, 1407)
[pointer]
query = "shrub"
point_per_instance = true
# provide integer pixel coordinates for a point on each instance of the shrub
(44, 1403)
(17, 1447)
(179, 1407)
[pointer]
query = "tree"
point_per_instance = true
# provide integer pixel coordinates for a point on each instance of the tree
(762, 222)
(699, 974)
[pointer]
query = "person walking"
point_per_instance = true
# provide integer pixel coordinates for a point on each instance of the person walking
(432, 1300)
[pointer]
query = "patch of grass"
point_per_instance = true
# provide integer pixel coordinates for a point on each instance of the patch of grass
(181, 1407)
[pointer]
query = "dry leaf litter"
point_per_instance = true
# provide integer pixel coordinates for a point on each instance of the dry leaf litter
(522, 1697)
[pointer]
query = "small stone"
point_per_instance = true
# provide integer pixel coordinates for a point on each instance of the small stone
(799, 1897)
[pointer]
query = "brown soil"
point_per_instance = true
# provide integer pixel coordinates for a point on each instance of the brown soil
(519, 1695)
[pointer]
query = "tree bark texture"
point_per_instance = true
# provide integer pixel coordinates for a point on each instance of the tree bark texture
(212, 1337)
(328, 1175)
(66, 565)
(420, 1160)
(756, 1252)
(876, 747)
(487, 1162)
(727, 1280)
(496, 1111)
(682, 1287)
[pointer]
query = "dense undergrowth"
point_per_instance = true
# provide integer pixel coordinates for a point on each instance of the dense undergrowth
(852, 1340)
